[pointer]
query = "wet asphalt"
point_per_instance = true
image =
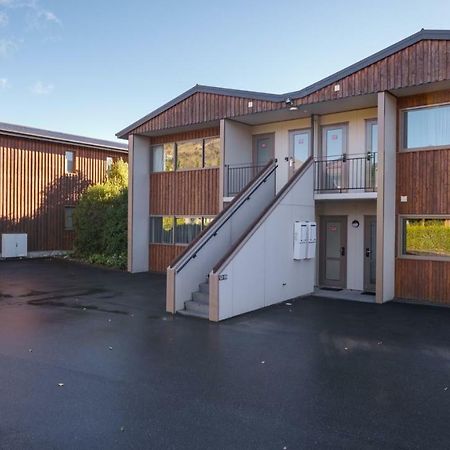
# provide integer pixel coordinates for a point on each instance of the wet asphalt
(89, 359)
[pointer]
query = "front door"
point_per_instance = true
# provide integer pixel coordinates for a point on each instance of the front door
(333, 251)
(370, 252)
(334, 150)
(299, 149)
(263, 148)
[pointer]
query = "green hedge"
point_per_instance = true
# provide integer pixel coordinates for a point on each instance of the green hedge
(100, 220)
(431, 238)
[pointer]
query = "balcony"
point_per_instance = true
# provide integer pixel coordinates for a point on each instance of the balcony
(237, 176)
(346, 174)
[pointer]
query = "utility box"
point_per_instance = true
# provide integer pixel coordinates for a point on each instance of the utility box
(14, 245)
(300, 240)
(312, 240)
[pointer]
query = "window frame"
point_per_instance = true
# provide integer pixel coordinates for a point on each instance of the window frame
(175, 154)
(323, 142)
(401, 236)
(403, 128)
(107, 160)
(369, 134)
(67, 207)
(74, 166)
(149, 229)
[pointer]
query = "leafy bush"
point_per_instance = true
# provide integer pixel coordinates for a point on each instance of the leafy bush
(100, 220)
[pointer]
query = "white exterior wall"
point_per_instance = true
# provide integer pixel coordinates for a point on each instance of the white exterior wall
(197, 270)
(354, 210)
(263, 271)
(138, 203)
(281, 130)
(356, 127)
(356, 135)
(237, 143)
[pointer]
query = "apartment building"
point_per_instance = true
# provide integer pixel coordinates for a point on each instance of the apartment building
(42, 175)
(248, 199)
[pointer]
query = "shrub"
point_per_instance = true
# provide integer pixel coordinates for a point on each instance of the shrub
(100, 220)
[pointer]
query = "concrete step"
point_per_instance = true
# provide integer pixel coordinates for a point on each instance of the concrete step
(185, 312)
(201, 309)
(204, 287)
(200, 297)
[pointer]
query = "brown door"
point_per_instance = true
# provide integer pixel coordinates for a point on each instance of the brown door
(263, 148)
(370, 253)
(333, 251)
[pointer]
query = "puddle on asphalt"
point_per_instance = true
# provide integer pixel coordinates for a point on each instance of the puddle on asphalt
(161, 317)
(50, 302)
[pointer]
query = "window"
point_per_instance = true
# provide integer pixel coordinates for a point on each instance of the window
(195, 154)
(70, 162)
(300, 142)
(187, 229)
(334, 140)
(212, 152)
(426, 127)
(372, 136)
(109, 163)
(68, 217)
(176, 230)
(427, 237)
(190, 155)
(163, 158)
(161, 230)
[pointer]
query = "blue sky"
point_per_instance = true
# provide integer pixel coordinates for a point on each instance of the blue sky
(93, 67)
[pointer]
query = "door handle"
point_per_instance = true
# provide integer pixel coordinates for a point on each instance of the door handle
(368, 252)
(342, 251)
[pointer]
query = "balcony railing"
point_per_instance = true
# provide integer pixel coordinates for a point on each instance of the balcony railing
(237, 176)
(346, 173)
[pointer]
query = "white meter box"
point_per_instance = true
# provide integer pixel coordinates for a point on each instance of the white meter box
(304, 240)
(14, 245)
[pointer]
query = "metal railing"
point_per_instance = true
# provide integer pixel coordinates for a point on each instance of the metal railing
(237, 176)
(346, 173)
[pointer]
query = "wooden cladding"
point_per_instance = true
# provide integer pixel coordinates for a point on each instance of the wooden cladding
(34, 188)
(428, 98)
(187, 192)
(161, 255)
(427, 61)
(203, 107)
(424, 177)
(193, 134)
(423, 281)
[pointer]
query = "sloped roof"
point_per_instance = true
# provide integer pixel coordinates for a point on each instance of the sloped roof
(388, 51)
(37, 133)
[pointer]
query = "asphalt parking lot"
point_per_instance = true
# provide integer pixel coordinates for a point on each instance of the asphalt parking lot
(90, 359)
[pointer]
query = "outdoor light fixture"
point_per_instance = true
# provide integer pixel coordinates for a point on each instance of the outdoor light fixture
(355, 224)
(289, 103)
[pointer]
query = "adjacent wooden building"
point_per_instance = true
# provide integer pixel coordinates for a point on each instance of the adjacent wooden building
(42, 175)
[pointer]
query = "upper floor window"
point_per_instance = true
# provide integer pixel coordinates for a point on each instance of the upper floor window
(109, 163)
(190, 155)
(68, 217)
(70, 162)
(186, 155)
(426, 127)
(163, 158)
(372, 136)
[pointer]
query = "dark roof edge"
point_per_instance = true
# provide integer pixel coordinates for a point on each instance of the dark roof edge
(388, 51)
(410, 40)
(55, 136)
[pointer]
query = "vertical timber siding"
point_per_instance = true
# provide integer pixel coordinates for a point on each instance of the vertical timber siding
(34, 188)
(424, 177)
(187, 192)
(160, 256)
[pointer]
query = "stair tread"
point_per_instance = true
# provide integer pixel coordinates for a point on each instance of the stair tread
(200, 297)
(185, 312)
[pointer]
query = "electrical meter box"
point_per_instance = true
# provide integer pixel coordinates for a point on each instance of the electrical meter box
(305, 239)
(312, 240)
(14, 245)
(300, 240)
